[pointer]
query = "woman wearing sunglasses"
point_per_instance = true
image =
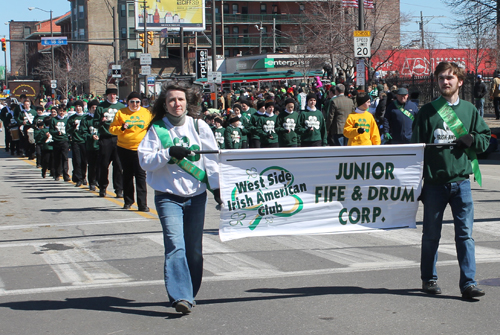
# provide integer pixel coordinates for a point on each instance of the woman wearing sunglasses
(130, 125)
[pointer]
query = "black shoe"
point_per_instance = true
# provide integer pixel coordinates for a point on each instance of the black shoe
(92, 187)
(183, 307)
(431, 287)
(84, 182)
(38, 166)
(57, 178)
(144, 209)
(102, 194)
(127, 206)
(43, 174)
(472, 292)
(67, 180)
(78, 184)
(119, 194)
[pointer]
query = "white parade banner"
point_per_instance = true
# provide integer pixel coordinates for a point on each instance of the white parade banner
(321, 190)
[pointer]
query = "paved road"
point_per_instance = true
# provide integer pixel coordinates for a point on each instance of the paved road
(74, 263)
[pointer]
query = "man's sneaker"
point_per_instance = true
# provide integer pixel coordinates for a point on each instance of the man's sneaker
(472, 292)
(144, 209)
(431, 287)
(183, 307)
(92, 187)
(119, 194)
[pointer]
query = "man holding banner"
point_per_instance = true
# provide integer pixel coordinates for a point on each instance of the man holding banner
(446, 176)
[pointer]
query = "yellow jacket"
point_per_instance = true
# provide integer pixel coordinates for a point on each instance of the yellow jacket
(365, 120)
(138, 123)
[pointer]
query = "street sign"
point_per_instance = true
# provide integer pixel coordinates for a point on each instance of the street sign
(116, 71)
(360, 72)
(61, 40)
(214, 77)
(145, 59)
(53, 84)
(164, 33)
(362, 41)
(145, 70)
(151, 81)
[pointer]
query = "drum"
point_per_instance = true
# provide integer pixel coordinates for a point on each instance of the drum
(31, 136)
(15, 134)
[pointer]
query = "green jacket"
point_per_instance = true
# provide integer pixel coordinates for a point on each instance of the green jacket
(74, 130)
(232, 137)
(219, 137)
(42, 139)
(266, 129)
(88, 129)
(58, 129)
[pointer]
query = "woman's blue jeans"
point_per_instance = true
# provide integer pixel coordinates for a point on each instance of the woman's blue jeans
(182, 221)
(435, 199)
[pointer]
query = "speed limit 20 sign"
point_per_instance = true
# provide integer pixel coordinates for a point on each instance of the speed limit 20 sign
(362, 41)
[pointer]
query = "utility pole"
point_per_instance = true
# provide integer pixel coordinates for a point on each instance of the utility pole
(181, 32)
(115, 45)
(274, 35)
(145, 15)
(214, 50)
(422, 29)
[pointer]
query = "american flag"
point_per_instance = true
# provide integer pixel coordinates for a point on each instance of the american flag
(354, 3)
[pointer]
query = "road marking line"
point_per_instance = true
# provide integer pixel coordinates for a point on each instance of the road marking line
(80, 265)
(231, 277)
(70, 224)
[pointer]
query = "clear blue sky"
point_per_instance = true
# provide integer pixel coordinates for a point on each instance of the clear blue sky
(18, 10)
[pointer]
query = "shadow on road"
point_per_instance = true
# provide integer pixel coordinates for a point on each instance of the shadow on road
(104, 304)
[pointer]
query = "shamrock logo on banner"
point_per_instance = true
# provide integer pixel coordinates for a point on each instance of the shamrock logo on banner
(267, 210)
(269, 126)
(312, 122)
(289, 124)
(184, 142)
(237, 218)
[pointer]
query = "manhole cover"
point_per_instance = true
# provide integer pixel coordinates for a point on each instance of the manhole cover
(55, 246)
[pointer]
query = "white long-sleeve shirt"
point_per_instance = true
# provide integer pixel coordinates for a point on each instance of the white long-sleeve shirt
(171, 178)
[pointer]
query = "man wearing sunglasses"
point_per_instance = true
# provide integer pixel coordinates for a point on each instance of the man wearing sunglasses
(130, 126)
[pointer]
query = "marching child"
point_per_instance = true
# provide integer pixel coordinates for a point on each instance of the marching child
(360, 127)
(219, 131)
(233, 133)
(44, 141)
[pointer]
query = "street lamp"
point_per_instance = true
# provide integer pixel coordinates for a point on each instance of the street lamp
(259, 28)
(51, 35)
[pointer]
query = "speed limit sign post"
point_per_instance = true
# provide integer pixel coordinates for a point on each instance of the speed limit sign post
(362, 41)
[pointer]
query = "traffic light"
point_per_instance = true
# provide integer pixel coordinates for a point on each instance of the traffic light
(4, 45)
(141, 38)
(151, 37)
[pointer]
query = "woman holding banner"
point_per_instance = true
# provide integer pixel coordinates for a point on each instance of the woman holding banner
(180, 179)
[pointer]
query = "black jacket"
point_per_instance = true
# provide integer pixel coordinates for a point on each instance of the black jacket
(480, 90)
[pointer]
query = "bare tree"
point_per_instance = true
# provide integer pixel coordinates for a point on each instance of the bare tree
(476, 17)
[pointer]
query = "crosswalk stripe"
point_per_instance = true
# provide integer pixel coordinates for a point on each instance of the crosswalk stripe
(221, 260)
(326, 247)
(80, 265)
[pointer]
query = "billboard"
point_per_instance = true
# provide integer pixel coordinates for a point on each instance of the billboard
(421, 62)
(171, 14)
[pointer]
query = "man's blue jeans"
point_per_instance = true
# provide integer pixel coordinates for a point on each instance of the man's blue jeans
(182, 221)
(435, 199)
(480, 106)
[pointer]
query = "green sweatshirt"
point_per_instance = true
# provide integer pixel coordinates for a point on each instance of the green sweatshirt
(253, 126)
(219, 137)
(88, 129)
(266, 129)
(284, 123)
(245, 120)
(74, 130)
(232, 137)
(444, 165)
(315, 120)
(104, 115)
(58, 129)
(42, 139)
